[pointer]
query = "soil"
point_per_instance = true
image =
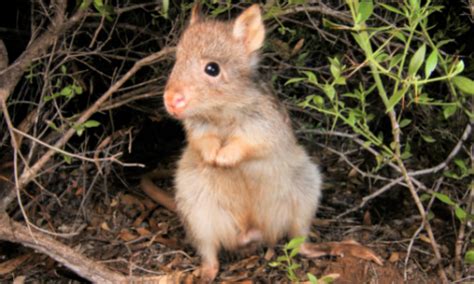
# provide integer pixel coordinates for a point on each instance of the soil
(118, 225)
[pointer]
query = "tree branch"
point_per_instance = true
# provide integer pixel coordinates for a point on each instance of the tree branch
(31, 172)
(91, 270)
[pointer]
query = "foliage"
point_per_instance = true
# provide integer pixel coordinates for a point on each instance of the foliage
(288, 263)
(417, 81)
(391, 80)
(399, 81)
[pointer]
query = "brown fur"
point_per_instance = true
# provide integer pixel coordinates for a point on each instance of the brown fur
(242, 177)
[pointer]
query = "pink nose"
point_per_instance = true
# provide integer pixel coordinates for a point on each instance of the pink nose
(178, 101)
(175, 101)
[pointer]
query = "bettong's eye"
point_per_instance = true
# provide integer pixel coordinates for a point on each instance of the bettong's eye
(212, 69)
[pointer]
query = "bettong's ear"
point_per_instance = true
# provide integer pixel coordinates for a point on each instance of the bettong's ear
(195, 13)
(249, 28)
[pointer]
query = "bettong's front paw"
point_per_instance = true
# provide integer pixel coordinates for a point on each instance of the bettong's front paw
(228, 157)
(209, 155)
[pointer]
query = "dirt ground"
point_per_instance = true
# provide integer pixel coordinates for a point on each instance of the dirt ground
(121, 227)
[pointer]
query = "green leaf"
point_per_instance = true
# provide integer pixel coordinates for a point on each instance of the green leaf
(164, 8)
(459, 67)
(67, 159)
(381, 57)
(328, 279)
(469, 257)
(424, 197)
(431, 63)
(351, 120)
(405, 122)
(329, 91)
(294, 252)
(417, 60)
(311, 77)
(77, 89)
(53, 96)
(312, 279)
(444, 198)
(395, 60)
(351, 95)
(464, 84)
(79, 131)
(391, 8)
(449, 110)
(440, 43)
(282, 258)
(430, 215)
(393, 101)
(104, 10)
(294, 81)
(295, 243)
(415, 4)
(451, 174)
(331, 25)
(67, 91)
(274, 264)
(335, 70)
(53, 125)
(340, 81)
(84, 5)
(424, 99)
(406, 155)
(91, 123)
(294, 266)
(362, 41)
(460, 213)
(367, 144)
(99, 6)
(400, 35)
(428, 138)
(461, 165)
(318, 101)
(98, 3)
(366, 8)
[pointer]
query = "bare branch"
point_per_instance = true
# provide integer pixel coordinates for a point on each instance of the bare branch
(30, 173)
(92, 270)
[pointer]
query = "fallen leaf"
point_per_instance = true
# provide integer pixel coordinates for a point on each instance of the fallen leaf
(104, 226)
(352, 173)
(322, 222)
(247, 263)
(127, 236)
(80, 191)
(269, 254)
(367, 221)
(143, 231)
(425, 239)
(149, 204)
(154, 225)
(332, 276)
(347, 247)
(171, 243)
(394, 257)
(329, 278)
(297, 46)
(12, 264)
(114, 202)
(19, 279)
(128, 199)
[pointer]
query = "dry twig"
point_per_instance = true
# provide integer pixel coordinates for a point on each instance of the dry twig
(91, 270)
